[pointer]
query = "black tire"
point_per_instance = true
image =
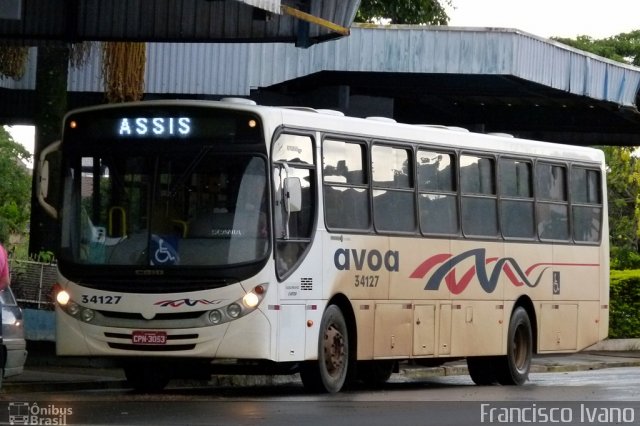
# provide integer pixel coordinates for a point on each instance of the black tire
(329, 373)
(513, 368)
(149, 377)
(481, 370)
(375, 373)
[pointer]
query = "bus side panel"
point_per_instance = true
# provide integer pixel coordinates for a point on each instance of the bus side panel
(477, 285)
(300, 306)
(359, 267)
(364, 311)
(588, 332)
(430, 319)
(604, 261)
(575, 273)
(419, 259)
(477, 328)
(291, 332)
(558, 327)
(531, 275)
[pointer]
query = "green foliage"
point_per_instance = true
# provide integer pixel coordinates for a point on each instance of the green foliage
(44, 256)
(429, 12)
(20, 250)
(15, 186)
(623, 191)
(624, 47)
(622, 258)
(624, 305)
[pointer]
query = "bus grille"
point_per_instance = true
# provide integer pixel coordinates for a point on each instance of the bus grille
(137, 316)
(151, 348)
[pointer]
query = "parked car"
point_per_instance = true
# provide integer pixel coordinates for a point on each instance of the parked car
(13, 348)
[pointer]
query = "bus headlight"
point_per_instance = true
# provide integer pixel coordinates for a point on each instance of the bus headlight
(87, 315)
(234, 310)
(73, 308)
(239, 308)
(250, 300)
(62, 297)
(215, 317)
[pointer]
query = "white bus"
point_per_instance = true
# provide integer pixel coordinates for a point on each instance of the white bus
(200, 235)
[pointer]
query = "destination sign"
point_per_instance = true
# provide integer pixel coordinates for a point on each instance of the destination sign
(154, 126)
(163, 123)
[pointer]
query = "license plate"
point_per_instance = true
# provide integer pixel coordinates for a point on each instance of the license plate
(146, 337)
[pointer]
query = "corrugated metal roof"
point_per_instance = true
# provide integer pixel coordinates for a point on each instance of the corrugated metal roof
(270, 5)
(173, 20)
(235, 69)
(484, 79)
(28, 80)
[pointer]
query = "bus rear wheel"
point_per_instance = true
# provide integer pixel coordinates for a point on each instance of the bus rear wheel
(513, 368)
(329, 373)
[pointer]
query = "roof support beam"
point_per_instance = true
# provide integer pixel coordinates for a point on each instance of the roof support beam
(298, 14)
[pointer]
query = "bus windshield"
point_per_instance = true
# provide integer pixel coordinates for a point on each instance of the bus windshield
(164, 205)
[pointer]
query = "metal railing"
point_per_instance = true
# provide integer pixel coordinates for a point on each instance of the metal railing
(31, 283)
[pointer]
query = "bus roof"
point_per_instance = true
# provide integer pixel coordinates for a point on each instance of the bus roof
(384, 129)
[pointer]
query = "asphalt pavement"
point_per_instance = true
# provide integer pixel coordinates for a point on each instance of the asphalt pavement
(45, 372)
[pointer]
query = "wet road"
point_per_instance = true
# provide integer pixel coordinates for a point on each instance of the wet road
(585, 397)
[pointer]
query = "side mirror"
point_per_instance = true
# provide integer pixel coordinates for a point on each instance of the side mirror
(43, 181)
(292, 194)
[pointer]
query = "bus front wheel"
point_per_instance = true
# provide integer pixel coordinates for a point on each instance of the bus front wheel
(513, 368)
(329, 373)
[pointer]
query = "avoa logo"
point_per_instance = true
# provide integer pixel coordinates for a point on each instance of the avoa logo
(346, 259)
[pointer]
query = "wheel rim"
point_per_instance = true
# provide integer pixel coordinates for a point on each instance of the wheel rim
(520, 348)
(333, 350)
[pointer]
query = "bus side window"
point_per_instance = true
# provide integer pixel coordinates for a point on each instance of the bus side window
(553, 206)
(292, 157)
(438, 199)
(586, 204)
(479, 201)
(346, 192)
(516, 201)
(393, 195)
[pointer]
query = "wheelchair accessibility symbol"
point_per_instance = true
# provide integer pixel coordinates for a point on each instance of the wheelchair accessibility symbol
(164, 251)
